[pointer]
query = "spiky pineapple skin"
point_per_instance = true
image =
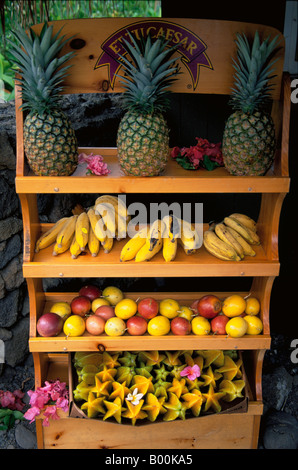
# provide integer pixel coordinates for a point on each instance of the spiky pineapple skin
(248, 145)
(50, 144)
(143, 144)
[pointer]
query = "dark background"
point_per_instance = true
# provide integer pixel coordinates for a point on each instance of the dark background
(210, 115)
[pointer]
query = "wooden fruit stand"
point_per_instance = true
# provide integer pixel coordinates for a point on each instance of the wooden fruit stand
(211, 74)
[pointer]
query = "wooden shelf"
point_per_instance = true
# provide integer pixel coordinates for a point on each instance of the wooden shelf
(87, 342)
(186, 181)
(202, 263)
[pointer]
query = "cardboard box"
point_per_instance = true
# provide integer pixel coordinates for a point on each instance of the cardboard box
(239, 405)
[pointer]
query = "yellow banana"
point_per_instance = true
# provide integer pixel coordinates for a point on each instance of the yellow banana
(131, 248)
(219, 248)
(121, 226)
(169, 249)
(233, 223)
(247, 248)
(245, 220)
(108, 214)
(155, 234)
(172, 226)
(49, 237)
(107, 244)
(255, 237)
(187, 251)
(74, 248)
(145, 254)
(189, 236)
(119, 205)
(57, 250)
(97, 224)
(223, 233)
(65, 235)
(93, 243)
(82, 230)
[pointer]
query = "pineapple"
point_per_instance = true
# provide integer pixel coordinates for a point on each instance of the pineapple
(143, 134)
(249, 136)
(49, 140)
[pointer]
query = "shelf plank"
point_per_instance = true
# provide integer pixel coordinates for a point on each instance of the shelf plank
(202, 263)
(146, 342)
(186, 181)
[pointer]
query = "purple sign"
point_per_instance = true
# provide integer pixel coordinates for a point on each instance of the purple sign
(191, 47)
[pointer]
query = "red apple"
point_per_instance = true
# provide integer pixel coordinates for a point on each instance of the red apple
(148, 308)
(209, 306)
(136, 325)
(218, 324)
(80, 305)
(105, 311)
(180, 326)
(49, 324)
(92, 292)
(194, 306)
(95, 325)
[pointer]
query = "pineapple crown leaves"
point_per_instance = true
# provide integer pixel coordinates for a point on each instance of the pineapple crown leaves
(42, 72)
(252, 89)
(148, 78)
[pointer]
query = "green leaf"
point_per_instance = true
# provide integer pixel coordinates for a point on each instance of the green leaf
(185, 163)
(209, 164)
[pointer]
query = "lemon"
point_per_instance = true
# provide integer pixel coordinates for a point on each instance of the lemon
(252, 306)
(112, 294)
(115, 326)
(169, 308)
(236, 327)
(255, 325)
(233, 305)
(185, 312)
(62, 309)
(200, 326)
(74, 326)
(159, 326)
(98, 302)
(126, 308)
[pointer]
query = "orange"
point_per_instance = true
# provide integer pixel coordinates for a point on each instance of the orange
(236, 327)
(169, 308)
(74, 326)
(233, 305)
(255, 325)
(126, 308)
(252, 306)
(115, 326)
(159, 326)
(200, 326)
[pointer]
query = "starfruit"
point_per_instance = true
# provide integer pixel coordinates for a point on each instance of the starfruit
(125, 374)
(161, 387)
(154, 406)
(81, 359)
(128, 359)
(151, 358)
(212, 399)
(172, 358)
(102, 388)
(109, 360)
(93, 405)
(161, 373)
(231, 369)
(175, 409)
(193, 401)
(232, 389)
(210, 377)
(143, 384)
(134, 412)
(114, 409)
(81, 391)
(210, 356)
(119, 390)
(178, 387)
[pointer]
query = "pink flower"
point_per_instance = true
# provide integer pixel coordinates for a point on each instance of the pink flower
(12, 400)
(32, 413)
(95, 165)
(50, 412)
(191, 372)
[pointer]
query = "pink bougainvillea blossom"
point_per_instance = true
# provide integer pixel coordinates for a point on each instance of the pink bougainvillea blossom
(202, 155)
(12, 400)
(96, 165)
(191, 372)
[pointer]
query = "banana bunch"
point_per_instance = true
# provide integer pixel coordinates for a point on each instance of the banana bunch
(88, 229)
(162, 235)
(232, 239)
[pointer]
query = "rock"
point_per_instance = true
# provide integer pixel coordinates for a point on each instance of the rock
(276, 387)
(16, 349)
(281, 431)
(9, 308)
(7, 156)
(5, 334)
(12, 274)
(9, 201)
(10, 226)
(25, 438)
(9, 249)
